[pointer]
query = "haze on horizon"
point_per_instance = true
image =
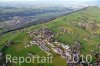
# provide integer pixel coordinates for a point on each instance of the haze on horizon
(55, 2)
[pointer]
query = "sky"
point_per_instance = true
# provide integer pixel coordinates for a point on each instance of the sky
(45, 0)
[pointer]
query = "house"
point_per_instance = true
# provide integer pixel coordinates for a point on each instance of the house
(44, 48)
(96, 34)
(33, 43)
(65, 46)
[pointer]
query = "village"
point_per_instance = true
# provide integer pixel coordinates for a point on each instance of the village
(43, 38)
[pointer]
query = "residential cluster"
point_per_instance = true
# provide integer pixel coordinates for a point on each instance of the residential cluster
(44, 39)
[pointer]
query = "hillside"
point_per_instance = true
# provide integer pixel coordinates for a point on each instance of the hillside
(82, 26)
